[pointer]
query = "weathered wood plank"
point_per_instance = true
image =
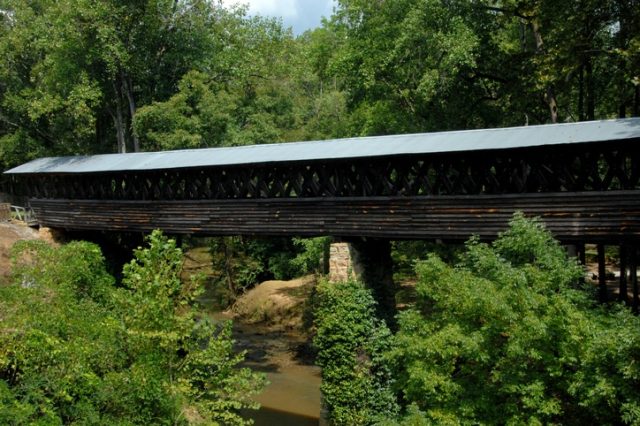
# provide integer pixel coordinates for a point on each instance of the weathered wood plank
(607, 216)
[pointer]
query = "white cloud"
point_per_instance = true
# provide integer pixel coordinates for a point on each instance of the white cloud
(281, 8)
(299, 14)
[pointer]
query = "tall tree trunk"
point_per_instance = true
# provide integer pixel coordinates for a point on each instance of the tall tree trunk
(623, 87)
(636, 102)
(535, 27)
(118, 121)
(581, 116)
(120, 136)
(622, 112)
(591, 101)
(549, 95)
(127, 86)
(226, 242)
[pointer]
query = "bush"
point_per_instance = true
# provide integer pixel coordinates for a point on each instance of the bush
(76, 349)
(504, 337)
(350, 343)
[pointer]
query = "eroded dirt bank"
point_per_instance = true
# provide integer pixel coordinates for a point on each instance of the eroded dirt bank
(12, 232)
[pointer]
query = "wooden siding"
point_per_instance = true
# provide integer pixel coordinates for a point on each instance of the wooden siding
(595, 216)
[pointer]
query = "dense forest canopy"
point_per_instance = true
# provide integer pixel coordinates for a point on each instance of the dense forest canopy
(84, 76)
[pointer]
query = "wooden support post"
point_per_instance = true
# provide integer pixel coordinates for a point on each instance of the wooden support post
(602, 278)
(622, 295)
(572, 250)
(633, 265)
(582, 256)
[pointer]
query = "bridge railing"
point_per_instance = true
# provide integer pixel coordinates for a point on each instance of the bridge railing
(24, 214)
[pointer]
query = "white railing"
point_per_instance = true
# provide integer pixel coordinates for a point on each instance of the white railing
(25, 214)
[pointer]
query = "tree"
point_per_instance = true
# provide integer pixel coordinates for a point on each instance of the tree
(76, 349)
(195, 117)
(77, 72)
(505, 337)
(439, 65)
(401, 62)
(270, 94)
(570, 47)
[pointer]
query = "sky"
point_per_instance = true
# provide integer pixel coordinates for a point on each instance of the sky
(301, 15)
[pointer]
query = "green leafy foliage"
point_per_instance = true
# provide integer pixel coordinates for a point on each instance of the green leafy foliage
(403, 63)
(427, 65)
(76, 349)
(504, 337)
(76, 71)
(311, 258)
(267, 93)
(356, 382)
(84, 77)
(81, 77)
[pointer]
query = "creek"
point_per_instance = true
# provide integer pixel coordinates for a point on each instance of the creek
(292, 397)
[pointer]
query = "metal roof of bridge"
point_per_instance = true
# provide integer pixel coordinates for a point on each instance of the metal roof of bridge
(337, 149)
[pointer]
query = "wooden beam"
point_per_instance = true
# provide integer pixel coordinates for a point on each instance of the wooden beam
(602, 275)
(633, 266)
(603, 217)
(582, 255)
(622, 294)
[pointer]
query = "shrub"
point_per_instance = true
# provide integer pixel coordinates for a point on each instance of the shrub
(350, 343)
(76, 349)
(504, 337)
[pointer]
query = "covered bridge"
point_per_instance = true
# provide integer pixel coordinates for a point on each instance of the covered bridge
(581, 178)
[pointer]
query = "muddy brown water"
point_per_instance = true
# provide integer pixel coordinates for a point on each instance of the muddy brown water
(293, 394)
(291, 398)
